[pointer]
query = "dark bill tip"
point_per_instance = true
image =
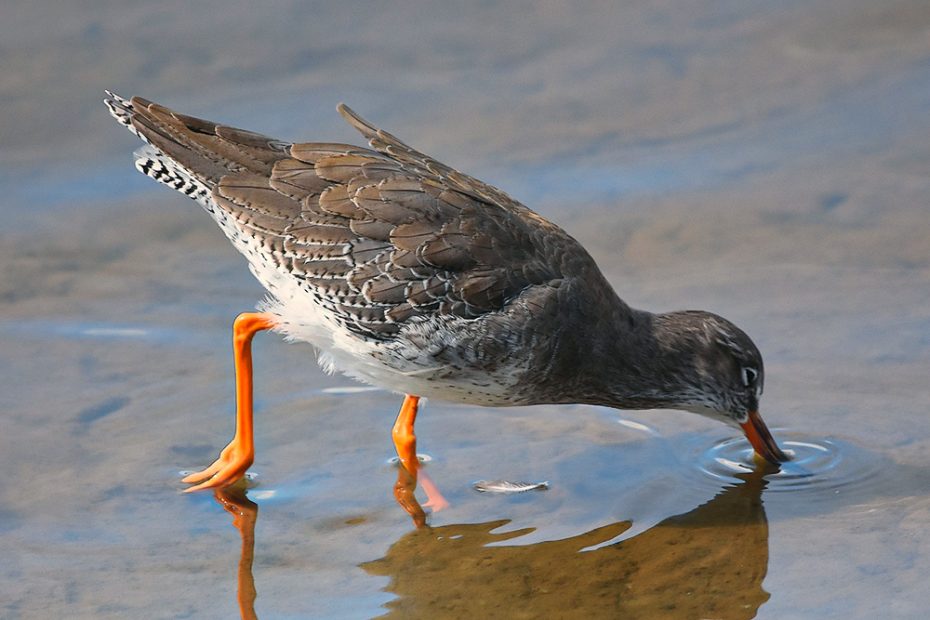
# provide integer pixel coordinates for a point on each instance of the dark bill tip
(761, 439)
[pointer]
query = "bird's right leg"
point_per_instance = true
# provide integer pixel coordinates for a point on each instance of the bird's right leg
(405, 442)
(237, 457)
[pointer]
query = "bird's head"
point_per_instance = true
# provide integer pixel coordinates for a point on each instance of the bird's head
(717, 371)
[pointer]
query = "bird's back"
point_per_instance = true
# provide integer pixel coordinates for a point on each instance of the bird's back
(387, 260)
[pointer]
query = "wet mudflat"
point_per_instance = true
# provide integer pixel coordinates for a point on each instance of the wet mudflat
(773, 168)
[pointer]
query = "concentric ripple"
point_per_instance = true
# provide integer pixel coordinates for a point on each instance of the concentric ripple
(423, 458)
(819, 464)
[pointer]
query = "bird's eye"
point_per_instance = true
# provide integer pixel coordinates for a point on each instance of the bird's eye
(749, 375)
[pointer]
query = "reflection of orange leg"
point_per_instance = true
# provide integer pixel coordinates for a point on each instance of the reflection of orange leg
(237, 457)
(245, 513)
(403, 493)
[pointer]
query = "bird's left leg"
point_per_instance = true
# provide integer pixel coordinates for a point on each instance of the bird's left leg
(237, 457)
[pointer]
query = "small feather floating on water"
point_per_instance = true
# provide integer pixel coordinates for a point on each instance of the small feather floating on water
(505, 486)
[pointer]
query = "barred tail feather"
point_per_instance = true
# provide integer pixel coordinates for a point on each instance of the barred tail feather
(189, 154)
(156, 165)
(122, 110)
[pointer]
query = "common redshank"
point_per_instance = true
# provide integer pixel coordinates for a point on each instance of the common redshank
(409, 275)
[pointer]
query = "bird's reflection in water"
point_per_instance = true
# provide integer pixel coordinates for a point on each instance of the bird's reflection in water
(244, 512)
(408, 476)
(707, 563)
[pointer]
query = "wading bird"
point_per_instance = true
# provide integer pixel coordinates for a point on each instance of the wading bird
(407, 274)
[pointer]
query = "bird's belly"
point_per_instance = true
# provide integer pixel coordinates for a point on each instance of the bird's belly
(401, 366)
(436, 358)
(424, 377)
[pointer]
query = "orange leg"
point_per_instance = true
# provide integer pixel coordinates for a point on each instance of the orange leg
(405, 442)
(237, 457)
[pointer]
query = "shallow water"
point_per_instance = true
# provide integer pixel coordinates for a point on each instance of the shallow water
(768, 163)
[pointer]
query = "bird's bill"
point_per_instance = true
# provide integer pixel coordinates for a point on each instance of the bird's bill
(761, 439)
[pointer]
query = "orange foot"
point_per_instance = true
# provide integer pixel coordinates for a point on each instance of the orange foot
(237, 457)
(232, 464)
(434, 498)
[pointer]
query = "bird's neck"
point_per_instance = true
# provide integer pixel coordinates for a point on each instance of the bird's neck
(633, 360)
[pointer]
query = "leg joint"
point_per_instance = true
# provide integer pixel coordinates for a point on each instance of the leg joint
(248, 323)
(403, 436)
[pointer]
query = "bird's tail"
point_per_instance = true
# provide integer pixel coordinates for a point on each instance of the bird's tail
(190, 154)
(154, 162)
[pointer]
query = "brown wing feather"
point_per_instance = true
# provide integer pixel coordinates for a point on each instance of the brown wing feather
(381, 235)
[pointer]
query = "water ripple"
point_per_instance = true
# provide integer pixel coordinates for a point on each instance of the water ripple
(817, 465)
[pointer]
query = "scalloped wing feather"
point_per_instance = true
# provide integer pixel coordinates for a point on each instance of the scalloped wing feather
(376, 237)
